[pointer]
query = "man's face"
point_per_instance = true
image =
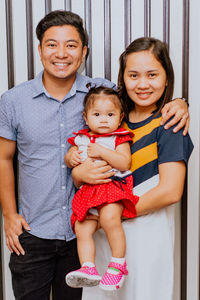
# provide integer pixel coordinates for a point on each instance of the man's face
(61, 52)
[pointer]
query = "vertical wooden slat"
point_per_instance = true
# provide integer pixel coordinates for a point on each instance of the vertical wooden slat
(127, 22)
(29, 31)
(9, 33)
(68, 5)
(107, 39)
(166, 21)
(88, 26)
(147, 18)
(185, 92)
(47, 6)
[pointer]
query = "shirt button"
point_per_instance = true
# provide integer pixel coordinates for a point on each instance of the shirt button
(63, 166)
(62, 145)
(61, 124)
(63, 187)
(64, 207)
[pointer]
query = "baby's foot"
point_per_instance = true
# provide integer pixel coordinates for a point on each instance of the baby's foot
(83, 277)
(114, 277)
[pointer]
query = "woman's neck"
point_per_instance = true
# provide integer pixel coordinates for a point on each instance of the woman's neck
(138, 115)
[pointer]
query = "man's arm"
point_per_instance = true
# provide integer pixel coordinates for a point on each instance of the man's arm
(13, 222)
(179, 109)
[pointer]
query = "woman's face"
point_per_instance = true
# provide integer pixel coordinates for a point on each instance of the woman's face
(145, 79)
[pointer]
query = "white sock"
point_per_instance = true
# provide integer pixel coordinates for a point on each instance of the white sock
(118, 260)
(88, 264)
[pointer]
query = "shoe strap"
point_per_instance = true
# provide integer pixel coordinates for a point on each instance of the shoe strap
(122, 268)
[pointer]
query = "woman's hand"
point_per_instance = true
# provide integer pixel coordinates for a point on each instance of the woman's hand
(92, 172)
(179, 109)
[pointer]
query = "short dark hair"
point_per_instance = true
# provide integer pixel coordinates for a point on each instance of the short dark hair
(101, 90)
(160, 51)
(61, 18)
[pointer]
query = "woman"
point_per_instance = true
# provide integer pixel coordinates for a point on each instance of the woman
(159, 159)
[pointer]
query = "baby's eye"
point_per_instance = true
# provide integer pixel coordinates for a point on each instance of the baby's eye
(110, 114)
(96, 114)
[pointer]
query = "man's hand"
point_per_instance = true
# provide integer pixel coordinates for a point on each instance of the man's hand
(179, 109)
(92, 173)
(13, 226)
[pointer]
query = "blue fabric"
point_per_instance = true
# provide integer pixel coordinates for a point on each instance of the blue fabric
(41, 125)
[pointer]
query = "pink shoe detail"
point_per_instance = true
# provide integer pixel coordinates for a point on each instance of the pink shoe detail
(83, 277)
(114, 281)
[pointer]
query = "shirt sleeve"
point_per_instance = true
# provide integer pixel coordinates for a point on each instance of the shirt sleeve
(71, 141)
(120, 139)
(173, 147)
(7, 128)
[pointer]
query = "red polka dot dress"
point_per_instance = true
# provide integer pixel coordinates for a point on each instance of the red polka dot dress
(119, 189)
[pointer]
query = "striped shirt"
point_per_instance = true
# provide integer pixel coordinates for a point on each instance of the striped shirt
(153, 145)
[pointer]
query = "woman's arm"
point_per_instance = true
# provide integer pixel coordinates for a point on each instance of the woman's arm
(167, 192)
(119, 159)
(179, 109)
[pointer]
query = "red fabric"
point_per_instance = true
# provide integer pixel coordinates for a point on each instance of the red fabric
(94, 196)
(120, 133)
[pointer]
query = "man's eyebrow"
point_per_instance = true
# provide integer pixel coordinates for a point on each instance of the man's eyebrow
(67, 41)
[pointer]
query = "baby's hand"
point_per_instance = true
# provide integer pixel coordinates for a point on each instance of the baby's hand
(75, 158)
(94, 150)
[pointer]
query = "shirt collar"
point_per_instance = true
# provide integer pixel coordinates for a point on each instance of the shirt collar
(80, 85)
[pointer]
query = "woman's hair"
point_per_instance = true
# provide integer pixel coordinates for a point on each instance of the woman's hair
(61, 18)
(160, 51)
(101, 90)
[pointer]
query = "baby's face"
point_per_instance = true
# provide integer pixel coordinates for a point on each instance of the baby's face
(103, 116)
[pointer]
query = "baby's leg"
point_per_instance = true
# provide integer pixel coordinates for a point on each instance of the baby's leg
(110, 221)
(85, 243)
(87, 275)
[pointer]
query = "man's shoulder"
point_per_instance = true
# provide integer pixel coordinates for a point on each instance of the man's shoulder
(20, 91)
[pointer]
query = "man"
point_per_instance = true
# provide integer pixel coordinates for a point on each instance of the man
(37, 117)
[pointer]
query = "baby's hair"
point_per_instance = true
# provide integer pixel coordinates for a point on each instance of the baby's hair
(101, 90)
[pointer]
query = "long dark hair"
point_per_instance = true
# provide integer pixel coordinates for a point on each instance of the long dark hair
(160, 51)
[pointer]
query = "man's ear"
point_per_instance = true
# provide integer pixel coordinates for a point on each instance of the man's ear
(85, 50)
(39, 50)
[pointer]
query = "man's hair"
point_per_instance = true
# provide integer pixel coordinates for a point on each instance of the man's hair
(160, 51)
(61, 18)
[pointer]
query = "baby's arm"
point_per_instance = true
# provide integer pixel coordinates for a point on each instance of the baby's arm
(72, 157)
(119, 159)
